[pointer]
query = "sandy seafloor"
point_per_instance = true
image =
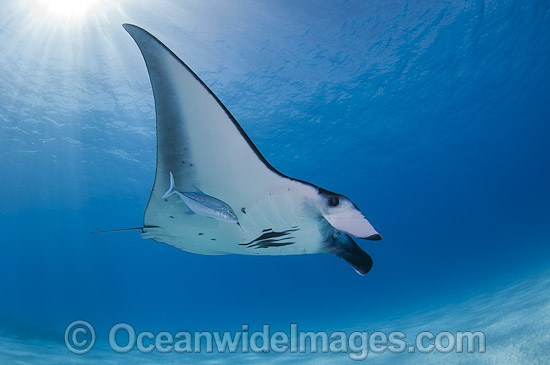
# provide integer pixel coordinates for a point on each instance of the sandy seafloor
(515, 320)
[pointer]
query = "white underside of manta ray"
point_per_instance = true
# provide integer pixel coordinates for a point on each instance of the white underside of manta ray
(203, 146)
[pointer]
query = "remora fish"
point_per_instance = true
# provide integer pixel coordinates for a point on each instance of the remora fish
(202, 204)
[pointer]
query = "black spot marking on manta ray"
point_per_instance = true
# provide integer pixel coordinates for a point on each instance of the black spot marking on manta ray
(270, 238)
(201, 234)
(172, 216)
(182, 161)
(191, 164)
(212, 239)
(243, 209)
(272, 243)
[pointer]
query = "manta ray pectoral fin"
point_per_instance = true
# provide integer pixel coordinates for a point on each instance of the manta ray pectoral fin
(347, 249)
(200, 143)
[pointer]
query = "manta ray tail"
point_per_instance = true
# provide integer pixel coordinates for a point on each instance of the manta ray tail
(172, 189)
(120, 230)
(142, 229)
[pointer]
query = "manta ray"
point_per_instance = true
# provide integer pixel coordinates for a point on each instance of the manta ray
(200, 145)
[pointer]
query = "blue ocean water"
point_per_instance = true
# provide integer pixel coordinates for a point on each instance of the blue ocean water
(433, 117)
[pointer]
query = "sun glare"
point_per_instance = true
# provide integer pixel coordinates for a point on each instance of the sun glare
(69, 10)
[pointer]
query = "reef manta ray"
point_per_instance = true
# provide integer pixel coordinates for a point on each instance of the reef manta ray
(204, 147)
